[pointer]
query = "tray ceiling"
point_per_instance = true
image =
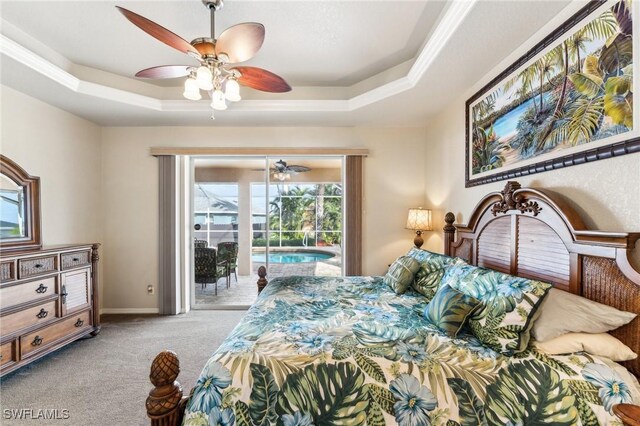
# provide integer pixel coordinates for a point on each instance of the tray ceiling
(350, 62)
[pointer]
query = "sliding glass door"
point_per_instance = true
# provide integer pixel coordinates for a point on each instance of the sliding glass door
(305, 216)
(282, 213)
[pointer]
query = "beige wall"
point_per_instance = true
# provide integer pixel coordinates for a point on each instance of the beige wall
(64, 151)
(606, 193)
(394, 181)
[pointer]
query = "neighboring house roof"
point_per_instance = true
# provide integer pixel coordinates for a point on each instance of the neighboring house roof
(206, 200)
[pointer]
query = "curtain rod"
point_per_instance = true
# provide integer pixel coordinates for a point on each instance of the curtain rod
(158, 151)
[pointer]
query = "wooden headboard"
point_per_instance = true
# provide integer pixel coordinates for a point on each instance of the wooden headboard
(533, 233)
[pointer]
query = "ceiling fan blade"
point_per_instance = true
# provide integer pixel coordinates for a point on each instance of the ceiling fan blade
(299, 169)
(263, 80)
(159, 32)
(165, 71)
(240, 42)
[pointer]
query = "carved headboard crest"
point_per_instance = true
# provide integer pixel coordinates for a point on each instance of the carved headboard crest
(513, 201)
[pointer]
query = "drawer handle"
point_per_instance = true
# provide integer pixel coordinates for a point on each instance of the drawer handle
(64, 294)
(37, 341)
(76, 259)
(41, 289)
(79, 323)
(42, 313)
(37, 265)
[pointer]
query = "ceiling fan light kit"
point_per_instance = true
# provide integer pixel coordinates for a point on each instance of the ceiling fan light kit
(282, 171)
(238, 43)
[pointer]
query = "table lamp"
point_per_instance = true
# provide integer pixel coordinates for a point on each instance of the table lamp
(419, 220)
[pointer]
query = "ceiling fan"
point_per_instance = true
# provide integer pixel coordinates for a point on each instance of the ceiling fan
(282, 171)
(215, 74)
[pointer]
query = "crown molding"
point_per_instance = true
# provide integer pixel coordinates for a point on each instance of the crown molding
(448, 23)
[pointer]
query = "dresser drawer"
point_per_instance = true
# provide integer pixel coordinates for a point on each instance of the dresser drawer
(41, 339)
(28, 317)
(7, 353)
(75, 259)
(7, 271)
(76, 290)
(27, 292)
(37, 265)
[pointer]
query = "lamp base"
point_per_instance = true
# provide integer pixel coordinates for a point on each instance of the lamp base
(418, 241)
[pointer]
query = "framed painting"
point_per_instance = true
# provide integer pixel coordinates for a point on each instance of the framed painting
(571, 99)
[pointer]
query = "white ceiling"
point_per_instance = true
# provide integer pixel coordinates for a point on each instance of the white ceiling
(308, 43)
(350, 62)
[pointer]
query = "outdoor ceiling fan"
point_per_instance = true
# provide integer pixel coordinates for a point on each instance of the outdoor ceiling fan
(282, 171)
(214, 75)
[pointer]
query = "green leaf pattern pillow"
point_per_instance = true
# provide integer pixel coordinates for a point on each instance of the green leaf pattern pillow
(449, 310)
(400, 274)
(432, 269)
(504, 321)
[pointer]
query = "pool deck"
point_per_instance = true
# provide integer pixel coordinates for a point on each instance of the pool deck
(244, 292)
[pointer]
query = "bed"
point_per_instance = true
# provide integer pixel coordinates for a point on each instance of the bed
(350, 351)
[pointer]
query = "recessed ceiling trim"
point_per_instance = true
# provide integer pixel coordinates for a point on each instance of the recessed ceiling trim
(444, 29)
(451, 20)
(302, 105)
(37, 63)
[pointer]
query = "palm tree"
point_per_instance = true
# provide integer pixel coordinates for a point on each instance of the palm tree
(485, 107)
(602, 27)
(292, 211)
(577, 43)
(561, 57)
(544, 67)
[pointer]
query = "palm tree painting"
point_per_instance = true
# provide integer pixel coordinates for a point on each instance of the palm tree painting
(575, 92)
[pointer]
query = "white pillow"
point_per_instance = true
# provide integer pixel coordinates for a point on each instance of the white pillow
(601, 344)
(562, 312)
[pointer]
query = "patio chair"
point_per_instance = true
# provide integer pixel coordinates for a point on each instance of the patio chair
(229, 251)
(208, 269)
(200, 243)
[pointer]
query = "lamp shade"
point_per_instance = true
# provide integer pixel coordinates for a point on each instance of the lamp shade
(419, 219)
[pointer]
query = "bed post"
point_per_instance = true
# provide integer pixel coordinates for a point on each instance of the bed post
(262, 281)
(165, 405)
(449, 233)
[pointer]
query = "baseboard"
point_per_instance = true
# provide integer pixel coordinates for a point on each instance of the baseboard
(129, 311)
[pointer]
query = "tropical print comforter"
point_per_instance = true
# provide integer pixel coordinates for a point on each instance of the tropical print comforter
(349, 351)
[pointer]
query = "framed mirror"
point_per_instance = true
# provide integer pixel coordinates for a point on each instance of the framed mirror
(19, 207)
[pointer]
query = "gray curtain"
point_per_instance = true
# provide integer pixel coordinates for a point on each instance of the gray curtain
(168, 266)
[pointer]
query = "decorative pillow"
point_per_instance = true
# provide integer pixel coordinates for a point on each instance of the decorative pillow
(509, 305)
(563, 312)
(400, 274)
(600, 344)
(432, 269)
(449, 310)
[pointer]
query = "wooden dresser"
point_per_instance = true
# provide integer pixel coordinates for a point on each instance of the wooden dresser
(48, 298)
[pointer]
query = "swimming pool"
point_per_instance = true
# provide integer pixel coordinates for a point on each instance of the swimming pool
(291, 256)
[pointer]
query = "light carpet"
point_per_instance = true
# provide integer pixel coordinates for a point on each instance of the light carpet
(105, 380)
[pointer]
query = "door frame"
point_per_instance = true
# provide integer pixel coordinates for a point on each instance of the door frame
(187, 219)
